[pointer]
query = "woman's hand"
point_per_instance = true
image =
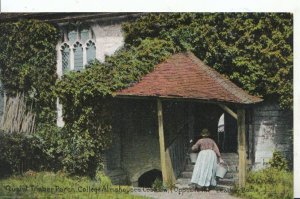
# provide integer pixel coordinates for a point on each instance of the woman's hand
(221, 160)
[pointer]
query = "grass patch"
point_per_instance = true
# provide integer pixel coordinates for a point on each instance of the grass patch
(268, 183)
(59, 185)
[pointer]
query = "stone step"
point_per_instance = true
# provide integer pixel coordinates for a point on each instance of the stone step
(226, 160)
(224, 155)
(228, 182)
(231, 159)
(231, 175)
(188, 174)
(183, 181)
(232, 168)
(224, 188)
(231, 162)
(189, 167)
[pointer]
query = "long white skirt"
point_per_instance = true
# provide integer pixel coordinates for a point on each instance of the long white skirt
(204, 173)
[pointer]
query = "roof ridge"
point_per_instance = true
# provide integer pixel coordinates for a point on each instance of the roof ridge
(223, 81)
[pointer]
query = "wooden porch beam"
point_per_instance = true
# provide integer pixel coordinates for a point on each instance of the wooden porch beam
(229, 111)
(166, 164)
(242, 146)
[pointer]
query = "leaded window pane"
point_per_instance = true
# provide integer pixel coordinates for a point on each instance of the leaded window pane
(65, 51)
(78, 56)
(90, 51)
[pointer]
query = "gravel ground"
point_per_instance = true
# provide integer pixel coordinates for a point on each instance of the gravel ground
(213, 194)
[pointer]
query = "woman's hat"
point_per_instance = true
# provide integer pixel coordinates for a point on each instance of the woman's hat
(205, 133)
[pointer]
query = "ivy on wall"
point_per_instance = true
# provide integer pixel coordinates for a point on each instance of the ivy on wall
(254, 50)
(28, 64)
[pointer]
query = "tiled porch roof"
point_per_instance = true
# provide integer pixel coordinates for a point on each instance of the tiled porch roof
(184, 76)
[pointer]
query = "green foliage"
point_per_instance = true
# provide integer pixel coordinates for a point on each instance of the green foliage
(273, 182)
(73, 153)
(63, 186)
(267, 183)
(49, 148)
(20, 152)
(157, 185)
(105, 182)
(278, 161)
(28, 63)
(254, 50)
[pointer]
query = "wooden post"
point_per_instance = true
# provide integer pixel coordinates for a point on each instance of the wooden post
(161, 140)
(166, 164)
(242, 146)
(228, 110)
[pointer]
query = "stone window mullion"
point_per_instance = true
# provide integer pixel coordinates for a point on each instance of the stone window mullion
(72, 57)
(59, 67)
(84, 55)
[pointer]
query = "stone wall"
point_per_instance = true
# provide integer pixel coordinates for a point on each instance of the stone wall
(271, 130)
(137, 127)
(109, 38)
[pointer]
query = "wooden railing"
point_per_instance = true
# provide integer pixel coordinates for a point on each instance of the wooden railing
(178, 150)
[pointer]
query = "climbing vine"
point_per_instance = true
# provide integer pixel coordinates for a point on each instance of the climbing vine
(254, 50)
(28, 64)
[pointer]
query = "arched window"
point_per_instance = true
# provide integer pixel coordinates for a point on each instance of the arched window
(65, 52)
(90, 51)
(77, 48)
(78, 56)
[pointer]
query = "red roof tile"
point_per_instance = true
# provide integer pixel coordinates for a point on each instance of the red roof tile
(183, 75)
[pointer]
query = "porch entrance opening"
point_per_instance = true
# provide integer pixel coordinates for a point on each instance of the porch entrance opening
(222, 126)
(227, 134)
(148, 178)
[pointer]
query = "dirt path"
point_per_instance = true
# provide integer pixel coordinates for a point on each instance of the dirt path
(213, 194)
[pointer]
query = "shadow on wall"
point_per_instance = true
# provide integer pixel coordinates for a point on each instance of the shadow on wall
(147, 178)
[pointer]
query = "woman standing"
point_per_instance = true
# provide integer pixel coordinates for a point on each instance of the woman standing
(204, 173)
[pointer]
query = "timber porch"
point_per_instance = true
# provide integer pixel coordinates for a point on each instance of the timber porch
(181, 96)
